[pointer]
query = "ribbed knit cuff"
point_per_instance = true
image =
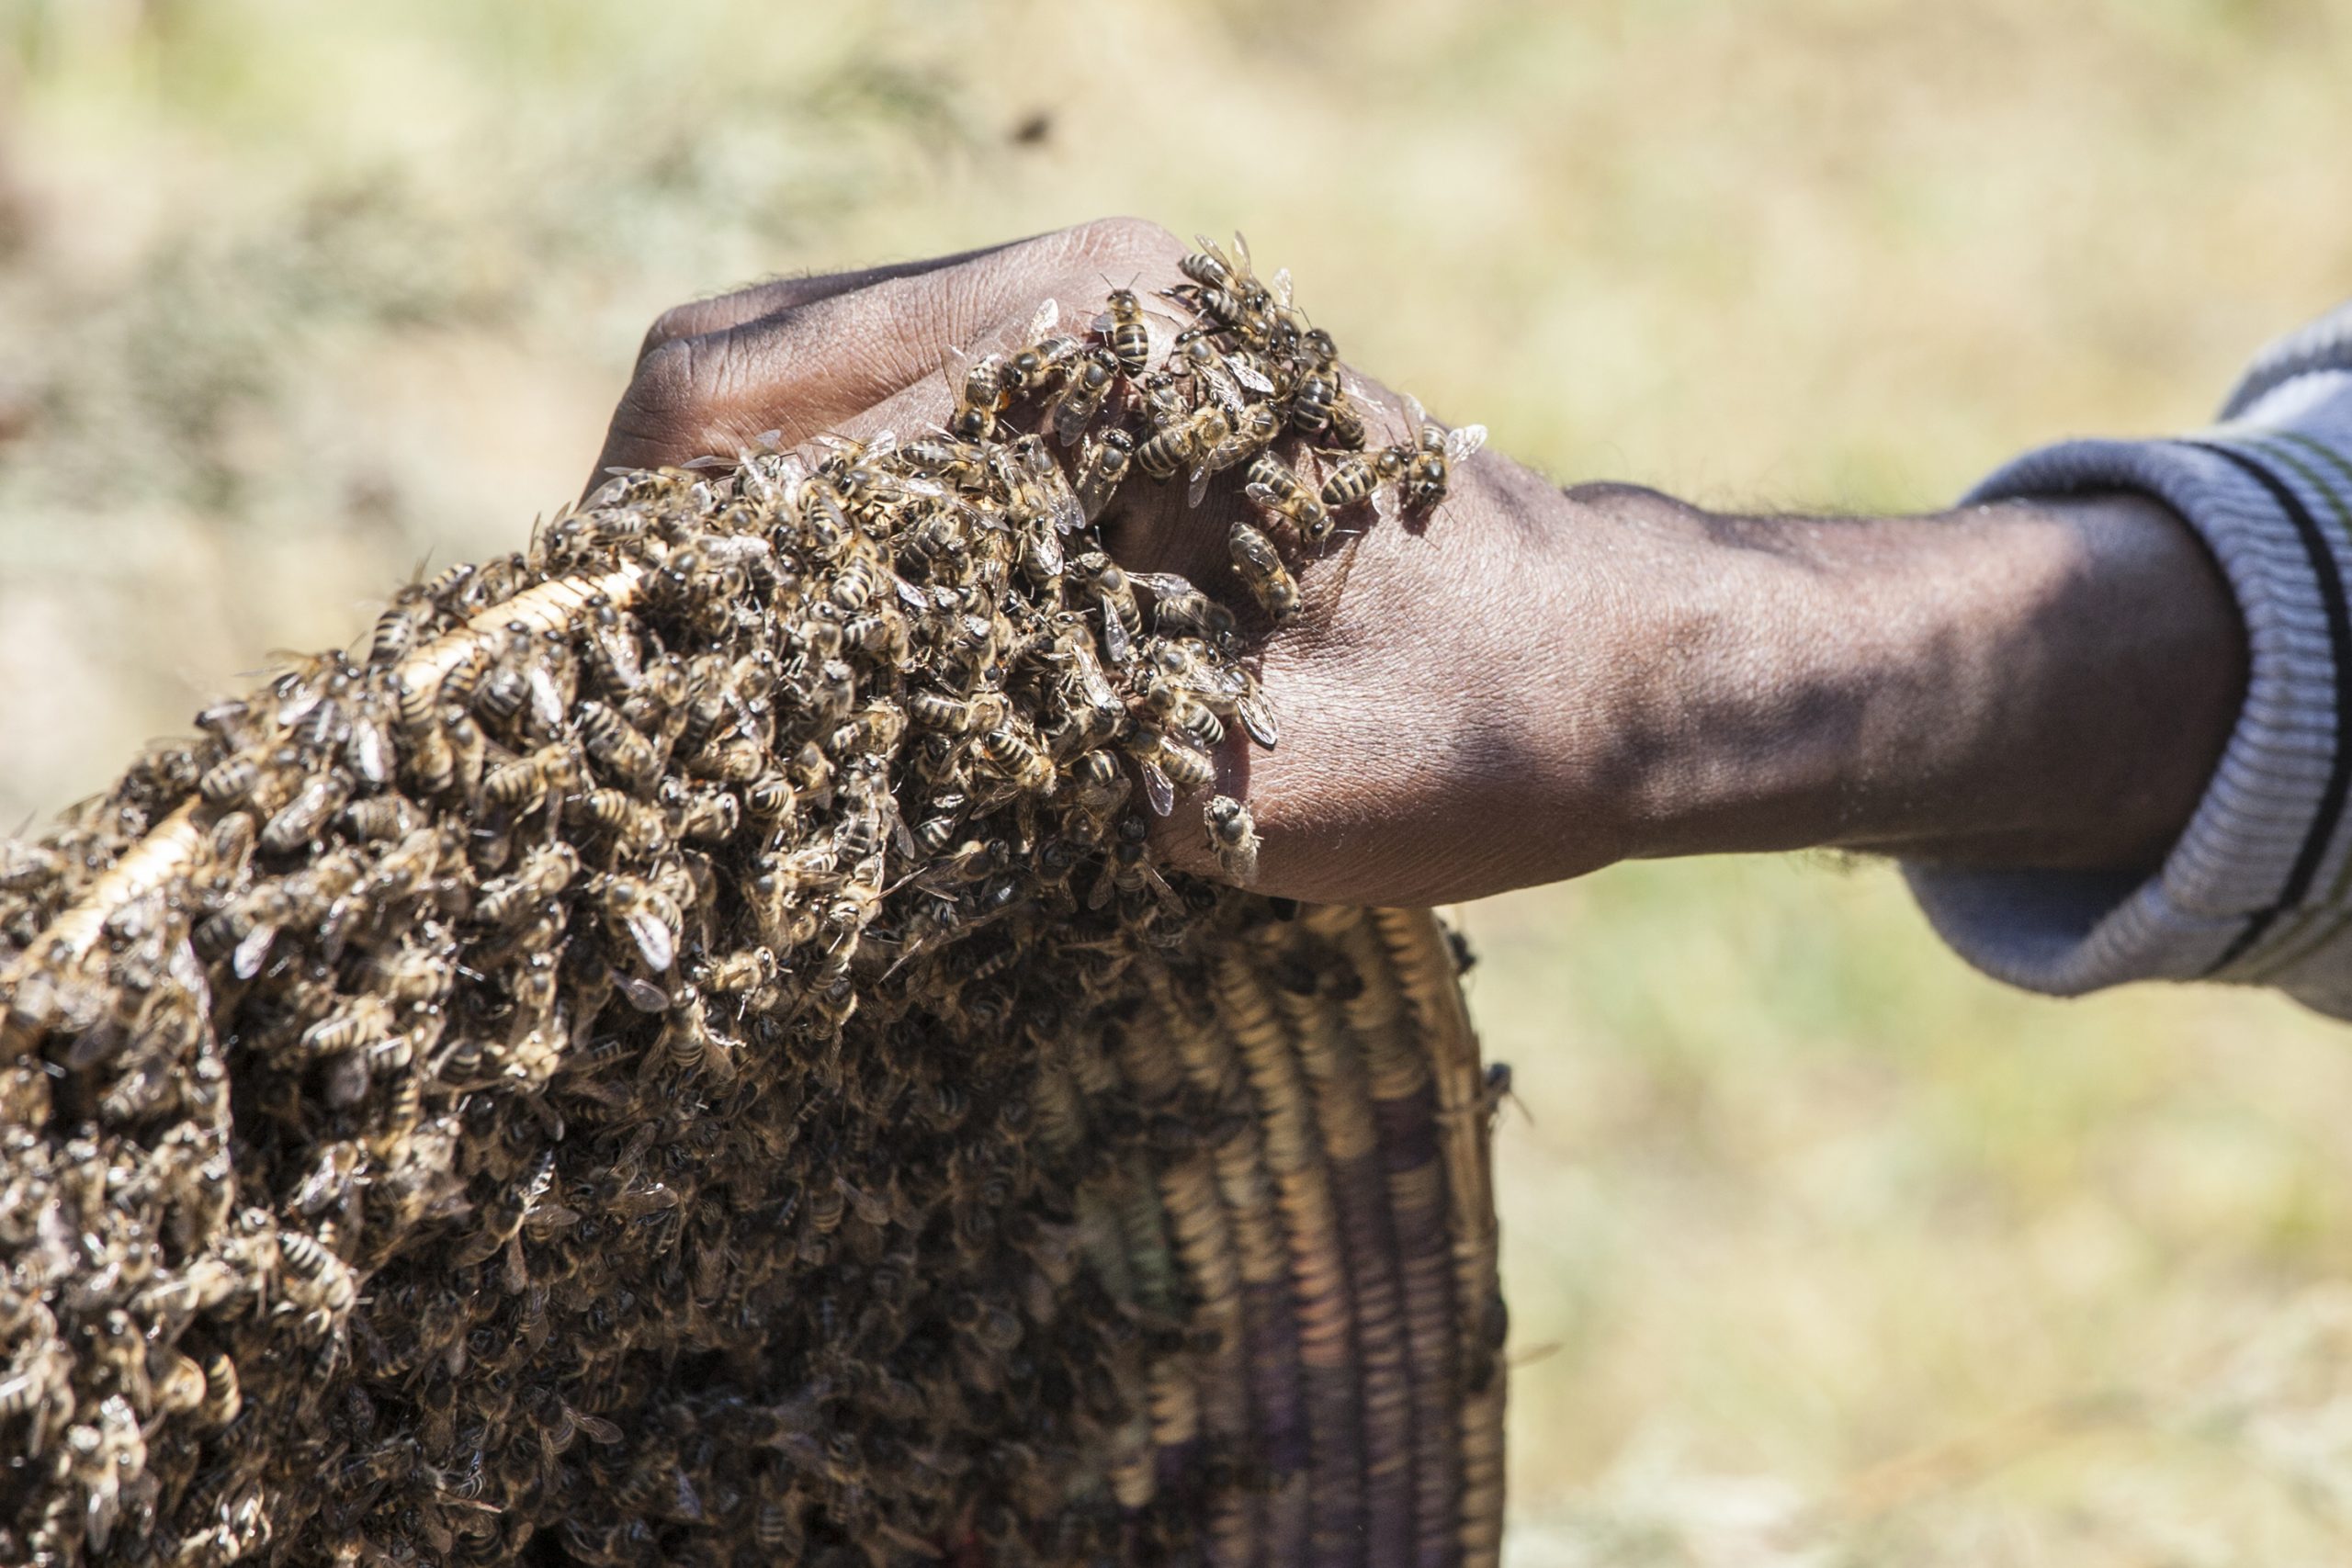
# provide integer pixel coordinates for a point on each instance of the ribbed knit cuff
(2259, 887)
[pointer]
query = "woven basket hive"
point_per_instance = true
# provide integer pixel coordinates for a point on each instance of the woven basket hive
(714, 1203)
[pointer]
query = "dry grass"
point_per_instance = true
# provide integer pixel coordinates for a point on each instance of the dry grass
(1823, 1251)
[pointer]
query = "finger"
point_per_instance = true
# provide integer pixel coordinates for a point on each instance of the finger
(723, 311)
(807, 368)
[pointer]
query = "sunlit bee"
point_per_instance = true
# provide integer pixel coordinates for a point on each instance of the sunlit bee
(1128, 334)
(980, 394)
(1021, 762)
(1234, 836)
(1085, 389)
(1121, 619)
(1427, 469)
(1261, 568)
(1272, 484)
(1043, 353)
(1354, 477)
(1103, 464)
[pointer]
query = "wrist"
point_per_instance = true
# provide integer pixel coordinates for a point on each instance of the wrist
(2020, 685)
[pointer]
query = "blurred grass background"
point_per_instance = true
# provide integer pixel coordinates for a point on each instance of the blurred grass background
(1822, 1250)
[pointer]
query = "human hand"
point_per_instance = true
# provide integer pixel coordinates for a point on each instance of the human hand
(1524, 684)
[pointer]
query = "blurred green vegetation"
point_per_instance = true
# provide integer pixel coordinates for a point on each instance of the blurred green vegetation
(1822, 1249)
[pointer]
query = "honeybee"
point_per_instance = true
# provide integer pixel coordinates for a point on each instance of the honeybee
(947, 459)
(1104, 463)
(980, 395)
(1038, 489)
(1178, 709)
(1187, 768)
(1228, 288)
(1260, 566)
(1011, 754)
(648, 916)
(875, 728)
(1430, 461)
(1226, 687)
(368, 750)
(614, 742)
(1360, 474)
(707, 816)
(1086, 387)
(362, 1021)
(770, 797)
(521, 785)
(1150, 752)
(229, 780)
(222, 1398)
(1234, 836)
(747, 970)
(1273, 485)
(1099, 783)
(1031, 367)
(1128, 868)
(1126, 332)
(1214, 377)
(24, 867)
(1122, 620)
(545, 871)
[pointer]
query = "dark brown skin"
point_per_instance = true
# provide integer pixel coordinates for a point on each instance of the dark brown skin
(1530, 683)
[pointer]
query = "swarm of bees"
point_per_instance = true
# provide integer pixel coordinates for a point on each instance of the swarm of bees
(680, 1052)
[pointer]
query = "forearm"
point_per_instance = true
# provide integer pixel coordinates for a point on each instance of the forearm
(2022, 684)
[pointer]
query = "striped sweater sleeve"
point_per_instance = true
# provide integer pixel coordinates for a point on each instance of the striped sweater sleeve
(2259, 888)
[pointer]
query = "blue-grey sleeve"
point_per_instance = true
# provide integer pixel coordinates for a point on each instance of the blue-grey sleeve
(2258, 889)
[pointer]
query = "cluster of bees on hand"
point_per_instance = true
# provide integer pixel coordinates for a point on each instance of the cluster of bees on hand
(1251, 371)
(630, 1055)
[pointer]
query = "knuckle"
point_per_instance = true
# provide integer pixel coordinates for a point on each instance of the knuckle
(666, 385)
(677, 322)
(1123, 236)
(666, 410)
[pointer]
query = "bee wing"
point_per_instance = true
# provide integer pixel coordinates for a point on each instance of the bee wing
(902, 836)
(1166, 584)
(1116, 641)
(1258, 718)
(246, 962)
(598, 1430)
(1281, 286)
(547, 702)
(1102, 324)
(654, 943)
(1249, 376)
(1416, 414)
(1383, 503)
(708, 460)
(371, 752)
(1198, 490)
(1157, 790)
(1263, 495)
(1069, 420)
(1061, 501)
(1217, 375)
(642, 994)
(1241, 251)
(1048, 316)
(883, 444)
(913, 597)
(1462, 441)
(1091, 679)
